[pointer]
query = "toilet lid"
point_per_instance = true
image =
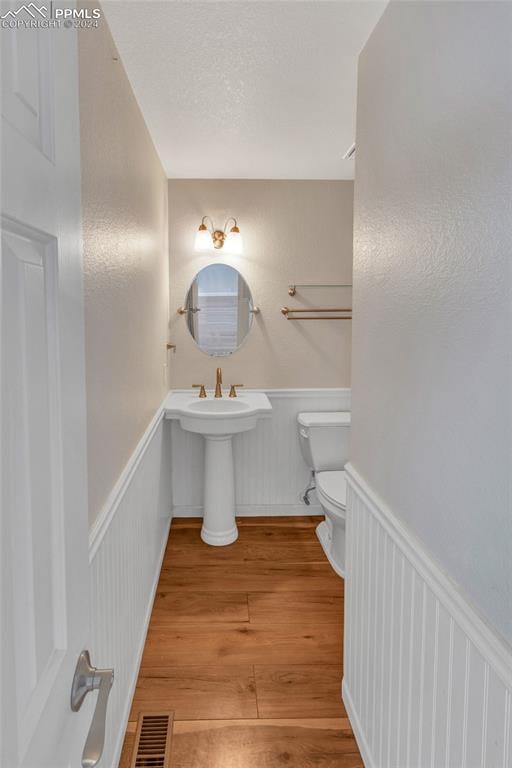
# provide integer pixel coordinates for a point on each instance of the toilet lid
(333, 485)
(324, 419)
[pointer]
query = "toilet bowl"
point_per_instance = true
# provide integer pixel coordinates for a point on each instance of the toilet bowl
(331, 490)
(325, 444)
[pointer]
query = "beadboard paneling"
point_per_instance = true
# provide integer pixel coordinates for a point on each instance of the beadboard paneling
(126, 547)
(426, 682)
(270, 474)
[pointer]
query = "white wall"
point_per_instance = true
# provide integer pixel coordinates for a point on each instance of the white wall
(270, 473)
(432, 312)
(293, 231)
(126, 547)
(425, 681)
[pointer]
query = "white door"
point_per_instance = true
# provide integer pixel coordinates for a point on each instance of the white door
(44, 531)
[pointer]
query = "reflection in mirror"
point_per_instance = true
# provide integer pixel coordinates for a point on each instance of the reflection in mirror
(219, 309)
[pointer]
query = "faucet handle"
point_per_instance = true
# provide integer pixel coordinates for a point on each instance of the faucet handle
(232, 389)
(202, 390)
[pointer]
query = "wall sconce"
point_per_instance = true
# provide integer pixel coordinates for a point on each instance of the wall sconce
(208, 237)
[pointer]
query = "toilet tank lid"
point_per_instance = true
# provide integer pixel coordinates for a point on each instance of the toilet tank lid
(325, 419)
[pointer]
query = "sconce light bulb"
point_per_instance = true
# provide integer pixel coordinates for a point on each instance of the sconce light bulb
(234, 243)
(203, 240)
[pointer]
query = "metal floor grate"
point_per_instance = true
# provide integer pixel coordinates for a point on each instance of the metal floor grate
(152, 748)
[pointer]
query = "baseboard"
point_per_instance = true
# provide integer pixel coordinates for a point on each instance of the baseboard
(426, 680)
(255, 510)
(356, 727)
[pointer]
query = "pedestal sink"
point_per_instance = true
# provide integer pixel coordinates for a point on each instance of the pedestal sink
(218, 420)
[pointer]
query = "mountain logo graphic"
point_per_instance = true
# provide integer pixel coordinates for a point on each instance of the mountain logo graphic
(32, 9)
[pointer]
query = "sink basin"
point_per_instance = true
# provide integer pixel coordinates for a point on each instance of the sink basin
(218, 420)
(217, 415)
(219, 406)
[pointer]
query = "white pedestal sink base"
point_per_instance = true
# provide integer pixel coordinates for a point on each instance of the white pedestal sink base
(218, 419)
(219, 525)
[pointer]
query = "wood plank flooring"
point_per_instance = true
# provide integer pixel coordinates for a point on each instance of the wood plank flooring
(245, 646)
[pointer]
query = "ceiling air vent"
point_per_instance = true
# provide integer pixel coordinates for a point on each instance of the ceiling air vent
(350, 153)
(152, 747)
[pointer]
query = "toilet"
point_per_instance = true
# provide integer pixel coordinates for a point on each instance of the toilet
(325, 444)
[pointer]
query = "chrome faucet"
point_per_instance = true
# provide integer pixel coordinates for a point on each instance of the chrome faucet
(218, 383)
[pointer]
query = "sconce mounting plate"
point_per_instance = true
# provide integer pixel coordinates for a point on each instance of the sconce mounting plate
(218, 238)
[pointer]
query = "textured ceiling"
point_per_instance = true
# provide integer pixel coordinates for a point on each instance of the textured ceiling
(247, 88)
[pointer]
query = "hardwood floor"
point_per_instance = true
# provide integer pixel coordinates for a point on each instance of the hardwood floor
(245, 646)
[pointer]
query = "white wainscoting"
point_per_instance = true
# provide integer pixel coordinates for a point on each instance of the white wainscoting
(270, 474)
(126, 549)
(426, 683)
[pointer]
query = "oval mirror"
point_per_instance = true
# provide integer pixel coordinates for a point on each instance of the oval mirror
(219, 309)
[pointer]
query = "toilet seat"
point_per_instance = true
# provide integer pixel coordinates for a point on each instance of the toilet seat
(332, 489)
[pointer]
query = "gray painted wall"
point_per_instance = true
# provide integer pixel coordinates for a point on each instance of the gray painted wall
(432, 273)
(124, 215)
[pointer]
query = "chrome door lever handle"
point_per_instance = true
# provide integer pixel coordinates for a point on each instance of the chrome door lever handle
(86, 679)
(95, 741)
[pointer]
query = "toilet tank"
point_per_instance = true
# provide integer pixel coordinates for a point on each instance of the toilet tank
(325, 439)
